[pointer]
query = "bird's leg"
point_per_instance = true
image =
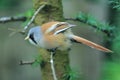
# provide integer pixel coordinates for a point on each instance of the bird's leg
(52, 50)
(69, 49)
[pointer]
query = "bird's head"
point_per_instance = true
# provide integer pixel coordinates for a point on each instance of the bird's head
(34, 35)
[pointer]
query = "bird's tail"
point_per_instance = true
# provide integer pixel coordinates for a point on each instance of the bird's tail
(89, 43)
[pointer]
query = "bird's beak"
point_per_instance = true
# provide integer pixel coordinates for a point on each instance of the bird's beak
(26, 38)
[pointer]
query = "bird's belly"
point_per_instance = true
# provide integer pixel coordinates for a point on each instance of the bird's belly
(51, 42)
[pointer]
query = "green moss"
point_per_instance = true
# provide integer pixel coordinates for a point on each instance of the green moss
(70, 74)
(53, 7)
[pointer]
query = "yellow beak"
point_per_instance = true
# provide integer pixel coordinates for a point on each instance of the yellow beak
(26, 38)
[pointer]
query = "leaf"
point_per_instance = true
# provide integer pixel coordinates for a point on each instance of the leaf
(111, 71)
(91, 20)
(38, 61)
(29, 13)
(81, 16)
(113, 2)
(71, 74)
(116, 6)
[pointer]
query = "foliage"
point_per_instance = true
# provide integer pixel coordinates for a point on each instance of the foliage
(92, 21)
(116, 44)
(38, 61)
(111, 71)
(28, 14)
(111, 68)
(115, 4)
(71, 74)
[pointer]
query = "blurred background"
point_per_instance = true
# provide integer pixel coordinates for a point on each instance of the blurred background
(90, 63)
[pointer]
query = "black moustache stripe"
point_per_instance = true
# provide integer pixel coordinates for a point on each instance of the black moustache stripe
(32, 38)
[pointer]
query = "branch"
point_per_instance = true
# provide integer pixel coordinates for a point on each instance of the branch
(33, 17)
(107, 32)
(11, 19)
(26, 62)
(52, 66)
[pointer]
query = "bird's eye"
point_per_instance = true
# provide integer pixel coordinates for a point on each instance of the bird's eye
(32, 38)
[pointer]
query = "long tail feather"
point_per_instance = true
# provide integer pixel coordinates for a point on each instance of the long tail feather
(90, 44)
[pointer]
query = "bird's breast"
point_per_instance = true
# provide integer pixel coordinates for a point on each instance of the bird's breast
(59, 41)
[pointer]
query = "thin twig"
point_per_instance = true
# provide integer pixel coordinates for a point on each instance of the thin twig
(16, 31)
(33, 17)
(26, 62)
(52, 66)
(13, 18)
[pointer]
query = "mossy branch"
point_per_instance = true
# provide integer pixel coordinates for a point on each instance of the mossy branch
(90, 20)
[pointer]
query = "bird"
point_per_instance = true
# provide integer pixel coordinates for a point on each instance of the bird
(56, 35)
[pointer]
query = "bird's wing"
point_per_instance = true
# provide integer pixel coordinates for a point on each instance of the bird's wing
(59, 27)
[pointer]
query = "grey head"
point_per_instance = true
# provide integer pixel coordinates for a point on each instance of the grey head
(34, 35)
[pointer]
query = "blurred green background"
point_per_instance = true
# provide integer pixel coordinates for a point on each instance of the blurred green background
(90, 63)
